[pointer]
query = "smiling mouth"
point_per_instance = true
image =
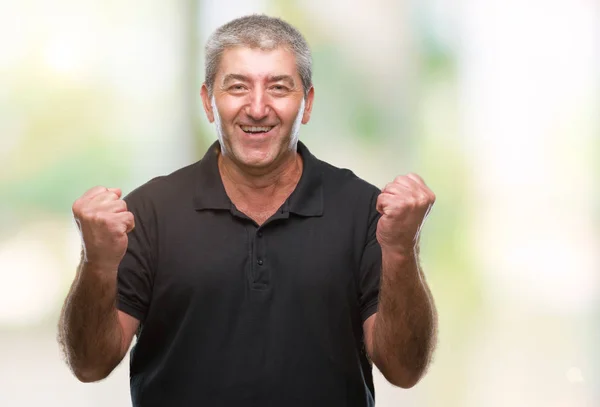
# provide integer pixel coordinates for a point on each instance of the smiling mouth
(256, 129)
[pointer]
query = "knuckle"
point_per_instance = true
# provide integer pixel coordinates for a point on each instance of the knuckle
(127, 221)
(120, 205)
(94, 190)
(86, 214)
(76, 206)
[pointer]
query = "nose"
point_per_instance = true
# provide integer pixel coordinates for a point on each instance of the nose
(258, 108)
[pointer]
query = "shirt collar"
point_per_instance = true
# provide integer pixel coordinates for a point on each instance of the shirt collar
(306, 200)
(210, 192)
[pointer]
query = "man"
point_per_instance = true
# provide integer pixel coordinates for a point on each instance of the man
(260, 275)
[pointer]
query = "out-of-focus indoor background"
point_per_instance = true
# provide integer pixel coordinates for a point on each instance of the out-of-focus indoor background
(495, 103)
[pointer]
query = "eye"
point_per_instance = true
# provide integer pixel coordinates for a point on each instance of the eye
(237, 88)
(279, 89)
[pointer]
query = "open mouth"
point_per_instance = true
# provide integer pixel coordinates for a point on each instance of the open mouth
(256, 129)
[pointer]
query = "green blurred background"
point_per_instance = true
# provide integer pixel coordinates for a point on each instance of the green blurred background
(495, 104)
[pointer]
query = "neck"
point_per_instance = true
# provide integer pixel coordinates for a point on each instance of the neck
(261, 184)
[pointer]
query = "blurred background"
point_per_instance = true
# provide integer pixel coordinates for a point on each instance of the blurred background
(496, 104)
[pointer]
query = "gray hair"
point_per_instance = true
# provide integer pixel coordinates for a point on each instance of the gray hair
(257, 31)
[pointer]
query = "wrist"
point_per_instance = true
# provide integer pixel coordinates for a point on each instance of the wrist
(99, 266)
(397, 263)
(96, 277)
(399, 252)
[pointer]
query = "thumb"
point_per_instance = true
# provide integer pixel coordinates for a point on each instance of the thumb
(379, 204)
(116, 191)
(127, 221)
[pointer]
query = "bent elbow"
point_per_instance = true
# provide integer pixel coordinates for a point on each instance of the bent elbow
(405, 381)
(90, 375)
(401, 376)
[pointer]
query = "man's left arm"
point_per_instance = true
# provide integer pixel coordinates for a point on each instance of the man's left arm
(401, 336)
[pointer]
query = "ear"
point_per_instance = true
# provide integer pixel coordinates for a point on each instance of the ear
(206, 103)
(308, 105)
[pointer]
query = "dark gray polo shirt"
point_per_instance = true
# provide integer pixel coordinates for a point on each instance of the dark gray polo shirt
(233, 314)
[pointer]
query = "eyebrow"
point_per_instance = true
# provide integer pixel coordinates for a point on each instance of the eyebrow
(280, 78)
(275, 78)
(234, 76)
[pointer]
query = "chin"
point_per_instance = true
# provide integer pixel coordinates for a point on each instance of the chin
(260, 155)
(253, 157)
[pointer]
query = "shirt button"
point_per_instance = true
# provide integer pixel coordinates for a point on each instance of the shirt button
(260, 262)
(259, 234)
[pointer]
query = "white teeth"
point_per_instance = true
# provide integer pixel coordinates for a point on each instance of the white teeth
(252, 129)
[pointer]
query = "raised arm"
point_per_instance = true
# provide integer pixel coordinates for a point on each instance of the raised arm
(93, 334)
(400, 338)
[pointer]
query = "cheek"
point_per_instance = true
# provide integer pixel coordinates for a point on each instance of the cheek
(229, 110)
(286, 111)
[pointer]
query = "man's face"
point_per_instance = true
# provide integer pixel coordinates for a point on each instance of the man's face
(258, 104)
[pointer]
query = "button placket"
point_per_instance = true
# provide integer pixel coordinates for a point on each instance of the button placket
(261, 277)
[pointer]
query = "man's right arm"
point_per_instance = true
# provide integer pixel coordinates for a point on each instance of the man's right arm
(93, 334)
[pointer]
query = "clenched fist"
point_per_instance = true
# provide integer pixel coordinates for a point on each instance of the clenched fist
(104, 222)
(404, 204)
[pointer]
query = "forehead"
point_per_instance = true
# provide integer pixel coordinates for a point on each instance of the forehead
(257, 63)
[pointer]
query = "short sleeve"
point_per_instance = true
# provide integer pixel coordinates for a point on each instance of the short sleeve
(136, 270)
(370, 265)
